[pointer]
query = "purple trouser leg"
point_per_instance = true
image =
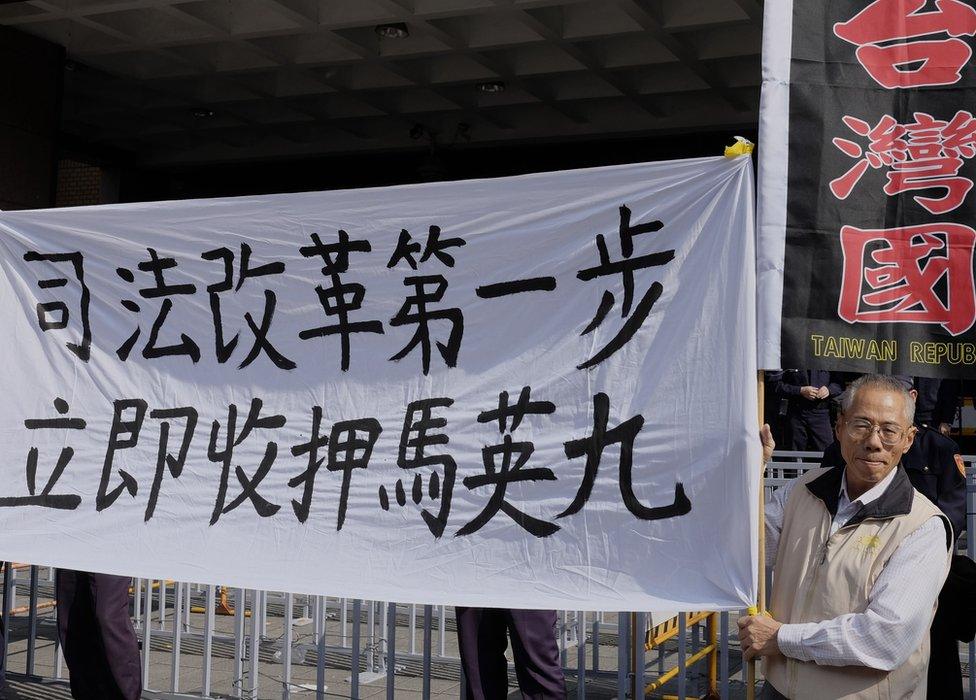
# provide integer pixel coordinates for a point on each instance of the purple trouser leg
(482, 640)
(97, 638)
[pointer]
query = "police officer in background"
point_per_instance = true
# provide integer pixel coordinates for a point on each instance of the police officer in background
(937, 402)
(804, 397)
(936, 470)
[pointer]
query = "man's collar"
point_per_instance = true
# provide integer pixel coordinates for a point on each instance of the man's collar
(873, 493)
(896, 499)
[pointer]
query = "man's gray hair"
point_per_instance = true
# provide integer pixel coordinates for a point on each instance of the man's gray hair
(883, 382)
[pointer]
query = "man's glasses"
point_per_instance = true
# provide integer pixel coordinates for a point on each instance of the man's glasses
(860, 429)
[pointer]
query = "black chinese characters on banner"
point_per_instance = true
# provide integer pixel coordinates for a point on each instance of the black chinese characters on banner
(159, 292)
(345, 447)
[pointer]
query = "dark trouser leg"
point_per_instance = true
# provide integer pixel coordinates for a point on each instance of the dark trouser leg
(81, 646)
(797, 432)
(945, 672)
(781, 430)
(96, 635)
(537, 666)
(111, 597)
(819, 434)
(482, 642)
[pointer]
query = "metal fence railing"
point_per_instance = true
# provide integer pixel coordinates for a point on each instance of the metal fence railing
(202, 641)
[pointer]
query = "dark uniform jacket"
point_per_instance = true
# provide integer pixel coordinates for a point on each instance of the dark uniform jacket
(788, 382)
(937, 402)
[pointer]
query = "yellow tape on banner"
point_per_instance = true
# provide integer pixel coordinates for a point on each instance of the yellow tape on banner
(742, 147)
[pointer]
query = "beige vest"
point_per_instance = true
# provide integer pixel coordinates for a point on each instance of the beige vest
(819, 577)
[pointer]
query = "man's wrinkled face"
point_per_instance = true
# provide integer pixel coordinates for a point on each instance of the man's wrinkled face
(873, 435)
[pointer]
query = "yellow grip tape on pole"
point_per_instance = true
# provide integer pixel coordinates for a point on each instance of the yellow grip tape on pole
(741, 147)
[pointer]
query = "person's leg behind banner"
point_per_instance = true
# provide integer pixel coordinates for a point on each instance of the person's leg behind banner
(482, 642)
(80, 645)
(97, 639)
(123, 662)
(536, 651)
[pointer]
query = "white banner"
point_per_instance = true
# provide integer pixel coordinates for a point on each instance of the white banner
(774, 135)
(533, 392)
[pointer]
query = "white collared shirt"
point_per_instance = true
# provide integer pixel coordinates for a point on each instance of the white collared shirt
(900, 608)
(847, 509)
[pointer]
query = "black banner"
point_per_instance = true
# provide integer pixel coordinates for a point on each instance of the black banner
(880, 237)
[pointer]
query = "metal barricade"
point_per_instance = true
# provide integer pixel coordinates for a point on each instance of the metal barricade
(677, 628)
(263, 644)
(201, 641)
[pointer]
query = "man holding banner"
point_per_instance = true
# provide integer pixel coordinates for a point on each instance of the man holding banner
(860, 557)
(935, 468)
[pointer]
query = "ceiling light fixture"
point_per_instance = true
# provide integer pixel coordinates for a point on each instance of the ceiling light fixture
(492, 86)
(200, 113)
(397, 30)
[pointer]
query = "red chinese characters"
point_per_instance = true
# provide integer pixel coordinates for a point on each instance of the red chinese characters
(912, 274)
(925, 154)
(888, 34)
